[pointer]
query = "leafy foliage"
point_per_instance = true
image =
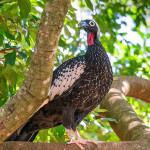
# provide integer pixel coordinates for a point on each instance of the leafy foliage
(125, 34)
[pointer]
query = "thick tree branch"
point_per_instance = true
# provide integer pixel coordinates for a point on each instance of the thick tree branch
(36, 85)
(129, 126)
(132, 145)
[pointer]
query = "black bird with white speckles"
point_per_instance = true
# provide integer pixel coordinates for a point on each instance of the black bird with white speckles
(77, 87)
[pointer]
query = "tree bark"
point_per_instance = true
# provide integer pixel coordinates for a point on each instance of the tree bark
(129, 127)
(130, 145)
(35, 87)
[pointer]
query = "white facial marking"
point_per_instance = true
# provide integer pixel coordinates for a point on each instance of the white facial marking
(92, 23)
(98, 32)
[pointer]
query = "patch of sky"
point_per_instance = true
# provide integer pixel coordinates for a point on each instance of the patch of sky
(131, 36)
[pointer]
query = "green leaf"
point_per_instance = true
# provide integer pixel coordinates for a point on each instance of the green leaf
(67, 32)
(10, 75)
(72, 8)
(25, 7)
(6, 1)
(1, 39)
(1, 31)
(7, 45)
(22, 55)
(10, 58)
(109, 119)
(89, 4)
(148, 35)
(62, 43)
(43, 135)
(44, 1)
(3, 86)
(33, 33)
(18, 38)
(9, 36)
(60, 130)
(34, 17)
(3, 26)
(3, 89)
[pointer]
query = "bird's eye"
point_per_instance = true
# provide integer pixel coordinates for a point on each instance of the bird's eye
(92, 23)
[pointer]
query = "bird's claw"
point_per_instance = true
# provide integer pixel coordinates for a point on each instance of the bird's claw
(78, 143)
(93, 142)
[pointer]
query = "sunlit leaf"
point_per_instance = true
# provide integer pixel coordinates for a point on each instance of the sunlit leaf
(60, 130)
(67, 32)
(43, 135)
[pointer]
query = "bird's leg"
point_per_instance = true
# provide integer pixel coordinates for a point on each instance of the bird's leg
(78, 135)
(73, 141)
(70, 135)
(83, 141)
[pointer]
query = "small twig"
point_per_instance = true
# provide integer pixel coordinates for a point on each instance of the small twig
(2, 58)
(4, 51)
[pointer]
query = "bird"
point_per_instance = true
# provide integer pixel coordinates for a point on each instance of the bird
(78, 86)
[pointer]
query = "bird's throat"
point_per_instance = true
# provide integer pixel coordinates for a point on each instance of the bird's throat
(90, 39)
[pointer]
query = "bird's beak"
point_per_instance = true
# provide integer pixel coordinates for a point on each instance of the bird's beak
(83, 24)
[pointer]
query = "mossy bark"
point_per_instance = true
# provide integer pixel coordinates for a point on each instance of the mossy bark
(35, 87)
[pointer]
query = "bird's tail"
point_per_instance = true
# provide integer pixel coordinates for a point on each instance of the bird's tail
(22, 135)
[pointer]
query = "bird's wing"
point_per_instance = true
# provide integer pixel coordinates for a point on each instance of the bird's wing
(66, 76)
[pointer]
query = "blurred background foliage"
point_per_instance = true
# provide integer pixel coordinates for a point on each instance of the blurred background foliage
(125, 34)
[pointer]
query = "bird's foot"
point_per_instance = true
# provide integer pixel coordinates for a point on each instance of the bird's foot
(78, 143)
(89, 141)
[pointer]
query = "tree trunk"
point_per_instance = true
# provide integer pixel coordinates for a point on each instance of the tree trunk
(35, 87)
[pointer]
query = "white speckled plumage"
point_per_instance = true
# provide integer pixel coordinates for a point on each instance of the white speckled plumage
(66, 77)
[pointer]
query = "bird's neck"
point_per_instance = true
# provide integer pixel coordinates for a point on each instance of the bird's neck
(96, 54)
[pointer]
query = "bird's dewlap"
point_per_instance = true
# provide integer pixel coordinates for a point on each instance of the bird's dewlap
(91, 39)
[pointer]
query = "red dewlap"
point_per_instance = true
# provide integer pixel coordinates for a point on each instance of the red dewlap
(91, 39)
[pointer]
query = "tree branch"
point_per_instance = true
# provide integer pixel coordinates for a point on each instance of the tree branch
(130, 145)
(130, 126)
(4, 51)
(35, 87)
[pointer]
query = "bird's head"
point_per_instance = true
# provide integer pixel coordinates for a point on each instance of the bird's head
(92, 29)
